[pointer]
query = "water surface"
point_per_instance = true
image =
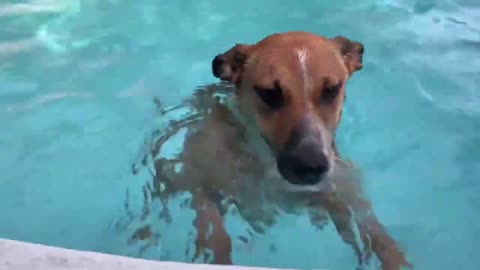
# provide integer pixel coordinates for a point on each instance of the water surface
(77, 81)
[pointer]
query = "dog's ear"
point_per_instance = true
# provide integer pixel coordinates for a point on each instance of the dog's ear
(228, 66)
(352, 52)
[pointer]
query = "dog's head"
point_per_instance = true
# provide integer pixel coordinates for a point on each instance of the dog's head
(292, 86)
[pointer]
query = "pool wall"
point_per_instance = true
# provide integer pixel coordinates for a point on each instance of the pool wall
(15, 255)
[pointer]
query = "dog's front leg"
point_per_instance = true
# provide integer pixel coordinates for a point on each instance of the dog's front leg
(373, 233)
(211, 233)
(342, 219)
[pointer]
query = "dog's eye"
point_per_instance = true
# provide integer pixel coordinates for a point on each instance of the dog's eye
(330, 92)
(272, 97)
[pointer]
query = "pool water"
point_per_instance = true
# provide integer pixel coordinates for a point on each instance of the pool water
(78, 80)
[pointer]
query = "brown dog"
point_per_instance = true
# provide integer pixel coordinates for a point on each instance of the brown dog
(271, 145)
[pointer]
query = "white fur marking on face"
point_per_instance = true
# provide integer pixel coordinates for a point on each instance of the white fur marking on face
(341, 59)
(302, 58)
(327, 151)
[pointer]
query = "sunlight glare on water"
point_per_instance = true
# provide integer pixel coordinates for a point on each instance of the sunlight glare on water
(77, 81)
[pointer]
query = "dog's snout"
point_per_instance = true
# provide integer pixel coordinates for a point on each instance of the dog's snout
(217, 66)
(305, 163)
(310, 157)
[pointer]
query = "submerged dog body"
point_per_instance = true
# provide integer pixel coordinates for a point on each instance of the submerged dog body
(271, 146)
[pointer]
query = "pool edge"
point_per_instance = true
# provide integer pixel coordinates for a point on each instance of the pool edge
(17, 255)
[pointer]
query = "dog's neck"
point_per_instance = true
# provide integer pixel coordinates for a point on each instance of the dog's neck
(254, 140)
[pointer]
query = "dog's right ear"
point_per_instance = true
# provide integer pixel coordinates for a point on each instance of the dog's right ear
(352, 52)
(229, 65)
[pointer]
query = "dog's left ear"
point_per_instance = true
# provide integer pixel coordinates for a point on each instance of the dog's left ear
(352, 52)
(228, 66)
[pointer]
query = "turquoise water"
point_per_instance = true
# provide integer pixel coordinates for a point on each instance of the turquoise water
(77, 81)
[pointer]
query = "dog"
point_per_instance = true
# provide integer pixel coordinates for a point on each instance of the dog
(263, 139)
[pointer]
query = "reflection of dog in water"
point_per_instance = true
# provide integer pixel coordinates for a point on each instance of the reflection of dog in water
(268, 143)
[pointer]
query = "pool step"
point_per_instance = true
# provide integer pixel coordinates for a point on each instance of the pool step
(15, 255)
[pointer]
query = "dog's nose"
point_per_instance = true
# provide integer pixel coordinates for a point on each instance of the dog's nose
(216, 66)
(305, 164)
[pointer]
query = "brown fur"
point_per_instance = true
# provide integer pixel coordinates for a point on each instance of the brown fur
(221, 168)
(273, 59)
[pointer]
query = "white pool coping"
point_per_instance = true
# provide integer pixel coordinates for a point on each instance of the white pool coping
(15, 255)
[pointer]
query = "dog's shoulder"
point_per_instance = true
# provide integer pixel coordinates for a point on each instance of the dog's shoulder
(215, 153)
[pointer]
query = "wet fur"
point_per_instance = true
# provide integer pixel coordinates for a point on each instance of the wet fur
(220, 169)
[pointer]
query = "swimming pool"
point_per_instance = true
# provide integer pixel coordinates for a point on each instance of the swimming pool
(78, 80)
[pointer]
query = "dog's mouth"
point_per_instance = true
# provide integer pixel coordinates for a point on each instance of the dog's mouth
(299, 174)
(308, 183)
(302, 179)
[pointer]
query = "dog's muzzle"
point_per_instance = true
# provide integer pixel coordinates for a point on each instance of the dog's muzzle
(304, 161)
